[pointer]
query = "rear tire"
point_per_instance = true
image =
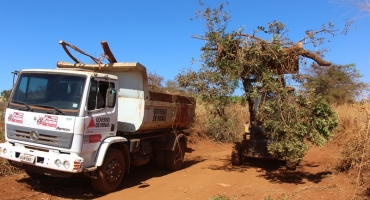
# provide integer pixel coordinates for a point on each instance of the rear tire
(160, 159)
(175, 159)
(236, 154)
(110, 173)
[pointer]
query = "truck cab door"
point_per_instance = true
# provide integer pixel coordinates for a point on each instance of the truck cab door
(100, 113)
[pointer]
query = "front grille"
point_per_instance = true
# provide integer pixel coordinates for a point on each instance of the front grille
(35, 148)
(46, 137)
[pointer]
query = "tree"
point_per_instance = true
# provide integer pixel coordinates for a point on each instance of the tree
(172, 87)
(234, 57)
(155, 82)
(6, 94)
(335, 83)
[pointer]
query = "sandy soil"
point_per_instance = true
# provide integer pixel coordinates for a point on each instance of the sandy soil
(207, 172)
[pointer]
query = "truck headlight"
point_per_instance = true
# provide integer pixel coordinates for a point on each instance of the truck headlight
(58, 162)
(66, 164)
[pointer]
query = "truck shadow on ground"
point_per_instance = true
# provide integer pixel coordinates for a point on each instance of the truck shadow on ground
(81, 188)
(274, 170)
(70, 188)
(139, 175)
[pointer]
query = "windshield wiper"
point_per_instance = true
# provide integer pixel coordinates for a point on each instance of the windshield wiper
(27, 106)
(44, 106)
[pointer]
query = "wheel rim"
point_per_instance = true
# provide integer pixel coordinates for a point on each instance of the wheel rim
(114, 171)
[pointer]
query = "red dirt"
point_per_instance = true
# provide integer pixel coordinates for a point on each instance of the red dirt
(207, 172)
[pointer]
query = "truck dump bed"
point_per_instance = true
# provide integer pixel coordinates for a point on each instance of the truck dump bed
(141, 110)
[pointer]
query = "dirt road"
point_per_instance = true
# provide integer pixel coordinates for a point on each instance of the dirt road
(207, 172)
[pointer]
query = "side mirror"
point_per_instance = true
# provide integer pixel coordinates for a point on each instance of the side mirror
(112, 91)
(15, 73)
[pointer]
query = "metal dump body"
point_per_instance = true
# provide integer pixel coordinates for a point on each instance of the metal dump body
(140, 110)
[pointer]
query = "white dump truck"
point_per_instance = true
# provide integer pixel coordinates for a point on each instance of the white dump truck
(95, 120)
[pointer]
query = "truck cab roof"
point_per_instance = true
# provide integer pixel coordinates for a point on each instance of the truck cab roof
(78, 71)
(108, 67)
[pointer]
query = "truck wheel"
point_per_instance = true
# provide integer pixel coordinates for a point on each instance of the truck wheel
(110, 173)
(34, 175)
(175, 159)
(236, 154)
(160, 159)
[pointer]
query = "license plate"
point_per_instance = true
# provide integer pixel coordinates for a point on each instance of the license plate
(27, 158)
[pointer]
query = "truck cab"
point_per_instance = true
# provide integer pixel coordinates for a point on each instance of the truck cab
(65, 113)
(94, 120)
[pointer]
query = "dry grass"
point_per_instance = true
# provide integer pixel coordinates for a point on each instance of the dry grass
(208, 126)
(351, 137)
(5, 168)
(2, 117)
(352, 118)
(353, 140)
(352, 133)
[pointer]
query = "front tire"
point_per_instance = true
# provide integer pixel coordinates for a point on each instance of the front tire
(110, 173)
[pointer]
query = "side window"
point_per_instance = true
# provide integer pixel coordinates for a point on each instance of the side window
(105, 89)
(21, 90)
(98, 95)
(91, 104)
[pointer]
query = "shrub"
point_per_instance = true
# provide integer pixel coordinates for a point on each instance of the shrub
(219, 129)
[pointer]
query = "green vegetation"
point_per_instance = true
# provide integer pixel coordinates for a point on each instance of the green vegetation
(337, 84)
(6, 94)
(233, 59)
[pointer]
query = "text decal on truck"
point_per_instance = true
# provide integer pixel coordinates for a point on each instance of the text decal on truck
(16, 117)
(92, 138)
(100, 122)
(159, 114)
(49, 121)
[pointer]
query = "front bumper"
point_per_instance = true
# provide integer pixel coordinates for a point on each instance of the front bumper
(51, 160)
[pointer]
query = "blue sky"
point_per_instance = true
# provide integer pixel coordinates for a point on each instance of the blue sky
(157, 33)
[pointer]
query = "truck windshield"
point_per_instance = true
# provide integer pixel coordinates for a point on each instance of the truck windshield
(56, 91)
